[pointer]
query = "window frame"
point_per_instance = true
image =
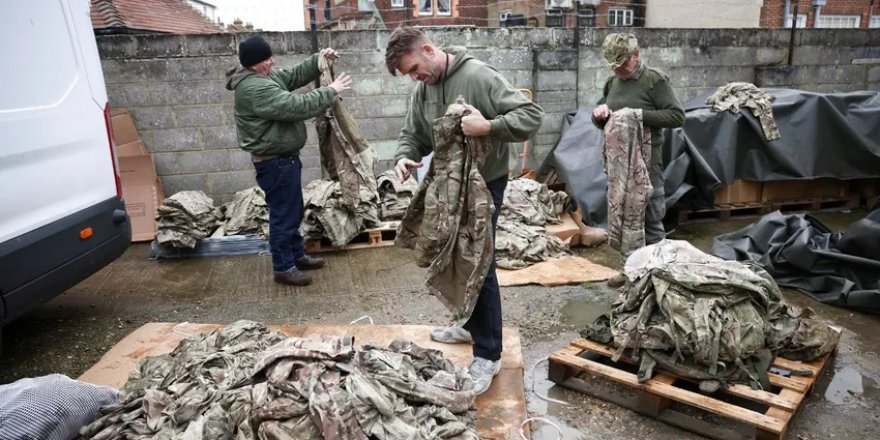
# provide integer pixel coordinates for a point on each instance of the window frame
(839, 18)
(801, 22)
(557, 14)
(625, 12)
(874, 22)
(582, 16)
(398, 3)
(429, 12)
(440, 13)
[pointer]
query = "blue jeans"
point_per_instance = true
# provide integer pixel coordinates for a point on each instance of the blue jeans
(281, 180)
(485, 321)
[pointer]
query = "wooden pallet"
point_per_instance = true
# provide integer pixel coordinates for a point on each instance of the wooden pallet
(745, 413)
(756, 209)
(370, 238)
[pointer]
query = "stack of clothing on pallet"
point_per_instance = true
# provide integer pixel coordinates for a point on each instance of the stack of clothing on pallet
(246, 214)
(244, 382)
(185, 218)
(707, 319)
(329, 215)
(521, 239)
(395, 195)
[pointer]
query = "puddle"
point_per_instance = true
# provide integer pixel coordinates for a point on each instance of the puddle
(583, 310)
(848, 384)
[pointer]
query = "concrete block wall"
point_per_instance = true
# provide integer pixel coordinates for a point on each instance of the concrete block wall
(175, 85)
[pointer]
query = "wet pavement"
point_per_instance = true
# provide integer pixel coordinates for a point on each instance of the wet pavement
(73, 331)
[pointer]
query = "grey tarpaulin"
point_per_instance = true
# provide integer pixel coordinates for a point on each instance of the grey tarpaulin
(800, 252)
(823, 135)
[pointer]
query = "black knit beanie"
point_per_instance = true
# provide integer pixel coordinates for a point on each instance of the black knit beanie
(253, 50)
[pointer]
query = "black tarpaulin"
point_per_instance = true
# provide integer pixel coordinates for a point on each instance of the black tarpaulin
(800, 252)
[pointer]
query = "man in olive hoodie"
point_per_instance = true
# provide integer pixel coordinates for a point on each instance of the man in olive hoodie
(269, 122)
(497, 110)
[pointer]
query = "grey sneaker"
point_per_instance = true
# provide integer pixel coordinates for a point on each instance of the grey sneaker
(617, 281)
(482, 371)
(454, 334)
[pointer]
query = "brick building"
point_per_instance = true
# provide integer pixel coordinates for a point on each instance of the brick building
(822, 13)
(564, 13)
(149, 16)
(389, 14)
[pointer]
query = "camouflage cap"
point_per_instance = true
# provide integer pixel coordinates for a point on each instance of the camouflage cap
(617, 48)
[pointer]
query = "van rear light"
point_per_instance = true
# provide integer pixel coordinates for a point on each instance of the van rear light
(112, 150)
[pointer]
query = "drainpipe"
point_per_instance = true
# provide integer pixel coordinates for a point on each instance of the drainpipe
(818, 5)
(871, 12)
(785, 13)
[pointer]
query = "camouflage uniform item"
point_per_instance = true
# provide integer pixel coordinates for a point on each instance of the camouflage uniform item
(708, 319)
(617, 48)
(345, 154)
(742, 94)
(531, 202)
(245, 383)
(328, 215)
(395, 195)
(627, 157)
(247, 213)
(449, 222)
(519, 245)
(185, 218)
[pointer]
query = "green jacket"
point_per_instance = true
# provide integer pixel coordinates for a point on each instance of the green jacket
(513, 117)
(268, 115)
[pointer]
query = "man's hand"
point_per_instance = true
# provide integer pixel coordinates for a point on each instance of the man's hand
(602, 112)
(404, 167)
(473, 123)
(341, 83)
(330, 54)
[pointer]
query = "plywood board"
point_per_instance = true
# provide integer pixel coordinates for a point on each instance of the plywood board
(500, 411)
(556, 272)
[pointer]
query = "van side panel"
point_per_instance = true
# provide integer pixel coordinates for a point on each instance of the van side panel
(54, 154)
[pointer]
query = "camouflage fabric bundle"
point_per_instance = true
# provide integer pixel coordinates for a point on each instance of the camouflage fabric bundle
(705, 318)
(328, 215)
(449, 222)
(395, 195)
(742, 94)
(627, 160)
(521, 239)
(345, 154)
(247, 213)
(243, 382)
(185, 218)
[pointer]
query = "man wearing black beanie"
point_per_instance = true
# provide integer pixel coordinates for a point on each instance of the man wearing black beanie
(269, 123)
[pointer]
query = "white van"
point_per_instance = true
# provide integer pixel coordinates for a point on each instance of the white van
(62, 217)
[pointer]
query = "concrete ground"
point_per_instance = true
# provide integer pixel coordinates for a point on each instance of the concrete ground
(73, 331)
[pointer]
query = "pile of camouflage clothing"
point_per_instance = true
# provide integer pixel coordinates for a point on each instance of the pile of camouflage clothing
(707, 319)
(732, 96)
(328, 214)
(521, 239)
(246, 214)
(394, 195)
(185, 218)
(244, 382)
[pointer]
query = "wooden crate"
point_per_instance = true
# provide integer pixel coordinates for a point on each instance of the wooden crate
(370, 238)
(752, 414)
(805, 190)
(739, 191)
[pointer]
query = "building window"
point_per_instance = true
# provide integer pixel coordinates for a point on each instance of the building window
(554, 17)
(442, 7)
(801, 21)
(839, 21)
(396, 3)
(586, 16)
(875, 22)
(620, 17)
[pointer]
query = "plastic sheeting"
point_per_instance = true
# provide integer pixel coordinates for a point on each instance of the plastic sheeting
(823, 135)
(800, 252)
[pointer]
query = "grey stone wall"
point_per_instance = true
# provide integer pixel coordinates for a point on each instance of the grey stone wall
(175, 85)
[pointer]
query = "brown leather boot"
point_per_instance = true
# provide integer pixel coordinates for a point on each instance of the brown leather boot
(309, 263)
(293, 277)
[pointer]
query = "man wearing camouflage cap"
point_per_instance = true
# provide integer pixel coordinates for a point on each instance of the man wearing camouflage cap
(637, 86)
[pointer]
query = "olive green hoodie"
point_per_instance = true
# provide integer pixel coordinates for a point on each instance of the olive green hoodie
(512, 116)
(268, 115)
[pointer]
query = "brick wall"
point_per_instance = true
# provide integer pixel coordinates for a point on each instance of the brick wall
(175, 85)
(771, 13)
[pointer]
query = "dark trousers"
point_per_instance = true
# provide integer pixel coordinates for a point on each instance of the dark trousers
(656, 209)
(281, 180)
(485, 321)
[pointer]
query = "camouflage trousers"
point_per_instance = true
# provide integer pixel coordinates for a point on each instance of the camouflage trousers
(630, 188)
(345, 154)
(734, 95)
(449, 221)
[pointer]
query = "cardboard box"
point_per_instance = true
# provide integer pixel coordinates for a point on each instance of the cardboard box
(135, 148)
(813, 189)
(123, 127)
(141, 202)
(739, 192)
(137, 170)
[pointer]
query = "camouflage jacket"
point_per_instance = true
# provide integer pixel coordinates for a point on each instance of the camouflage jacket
(627, 161)
(345, 154)
(395, 195)
(742, 94)
(328, 215)
(449, 222)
